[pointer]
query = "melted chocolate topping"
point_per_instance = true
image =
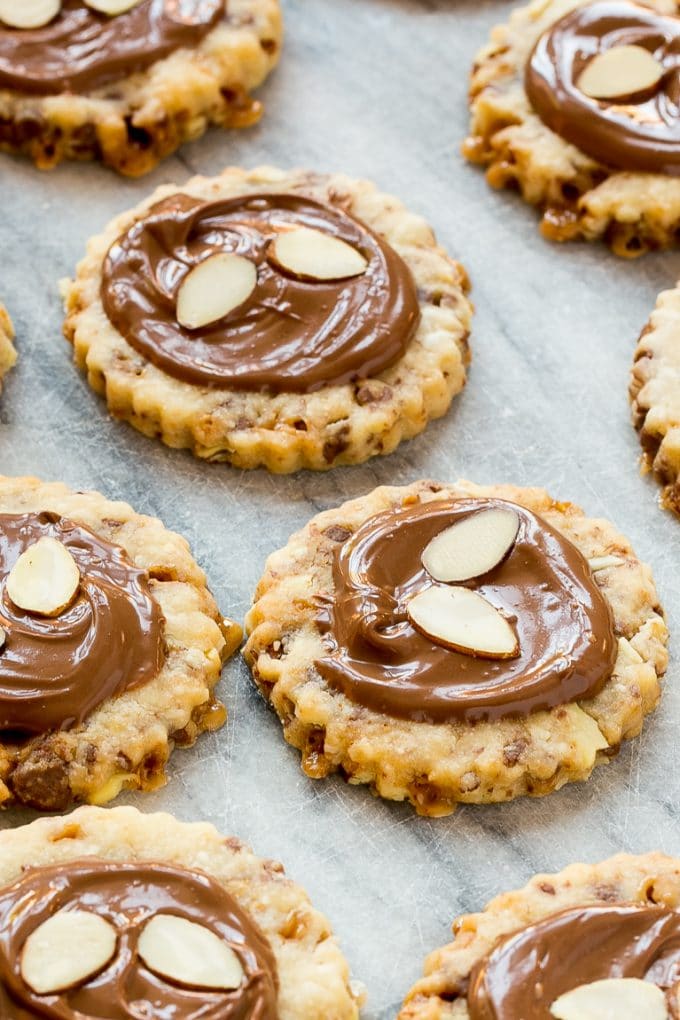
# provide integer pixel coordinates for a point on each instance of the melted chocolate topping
(291, 334)
(55, 671)
(82, 50)
(544, 587)
(633, 133)
(127, 895)
(524, 974)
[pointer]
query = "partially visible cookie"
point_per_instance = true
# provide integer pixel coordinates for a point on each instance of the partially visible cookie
(588, 928)
(655, 394)
(457, 643)
(148, 916)
(287, 320)
(568, 103)
(110, 647)
(128, 82)
(8, 354)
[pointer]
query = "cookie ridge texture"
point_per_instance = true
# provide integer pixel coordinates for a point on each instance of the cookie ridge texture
(8, 354)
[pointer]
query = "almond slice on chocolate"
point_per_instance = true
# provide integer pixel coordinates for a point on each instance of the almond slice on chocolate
(620, 72)
(112, 7)
(461, 619)
(471, 547)
(189, 954)
(45, 578)
(313, 255)
(3, 638)
(214, 288)
(604, 562)
(66, 950)
(612, 999)
(28, 13)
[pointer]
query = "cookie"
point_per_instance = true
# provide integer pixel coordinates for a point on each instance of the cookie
(392, 640)
(570, 104)
(599, 928)
(127, 83)
(299, 321)
(110, 647)
(654, 395)
(119, 914)
(8, 355)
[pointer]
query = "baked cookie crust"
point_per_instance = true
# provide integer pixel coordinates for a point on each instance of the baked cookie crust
(655, 395)
(126, 742)
(437, 766)
(579, 198)
(647, 879)
(8, 354)
(134, 123)
(286, 432)
(313, 974)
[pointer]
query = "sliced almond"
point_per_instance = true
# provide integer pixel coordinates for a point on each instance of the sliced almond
(471, 547)
(188, 954)
(3, 638)
(604, 562)
(313, 255)
(214, 288)
(612, 999)
(112, 7)
(619, 72)
(461, 619)
(66, 950)
(28, 13)
(44, 579)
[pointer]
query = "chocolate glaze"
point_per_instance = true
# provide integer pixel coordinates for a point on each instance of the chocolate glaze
(527, 971)
(636, 133)
(82, 50)
(127, 895)
(544, 587)
(54, 672)
(291, 334)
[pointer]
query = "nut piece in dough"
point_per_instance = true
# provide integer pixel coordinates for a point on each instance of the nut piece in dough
(69, 948)
(460, 618)
(214, 288)
(28, 13)
(45, 578)
(620, 72)
(313, 255)
(188, 953)
(471, 547)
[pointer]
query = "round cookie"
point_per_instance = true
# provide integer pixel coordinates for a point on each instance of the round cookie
(8, 355)
(129, 88)
(374, 347)
(589, 925)
(134, 872)
(654, 394)
(110, 650)
(375, 685)
(548, 117)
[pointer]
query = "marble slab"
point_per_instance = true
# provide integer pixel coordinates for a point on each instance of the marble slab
(375, 88)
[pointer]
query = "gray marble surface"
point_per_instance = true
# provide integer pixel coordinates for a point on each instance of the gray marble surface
(376, 88)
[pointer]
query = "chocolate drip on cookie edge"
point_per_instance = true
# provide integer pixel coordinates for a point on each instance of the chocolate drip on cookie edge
(82, 50)
(528, 970)
(639, 132)
(567, 644)
(55, 671)
(291, 334)
(127, 896)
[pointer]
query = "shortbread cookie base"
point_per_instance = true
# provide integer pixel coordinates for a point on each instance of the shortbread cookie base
(126, 742)
(647, 879)
(436, 766)
(8, 354)
(313, 974)
(131, 125)
(285, 432)
(579, 197)
(655, 395)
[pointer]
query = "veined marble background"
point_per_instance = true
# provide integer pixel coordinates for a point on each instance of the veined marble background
(375, 88)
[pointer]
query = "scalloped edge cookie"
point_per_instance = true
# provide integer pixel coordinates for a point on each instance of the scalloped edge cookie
(8, 354)
(289, 431)
(436, 766)
(579, 198)
(648, 878)
(313, 973)
(132, 124)
(126, 742)
(655, 395)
